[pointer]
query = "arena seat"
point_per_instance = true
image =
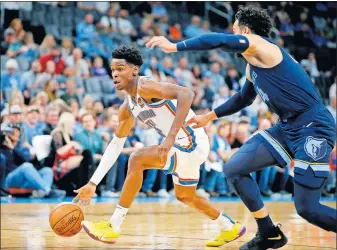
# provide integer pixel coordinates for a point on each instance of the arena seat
(20, 192)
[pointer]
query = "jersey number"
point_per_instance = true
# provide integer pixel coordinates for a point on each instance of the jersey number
(151, 124)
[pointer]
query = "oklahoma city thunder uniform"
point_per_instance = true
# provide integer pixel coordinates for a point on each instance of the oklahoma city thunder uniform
(306, 131)
(191, 147)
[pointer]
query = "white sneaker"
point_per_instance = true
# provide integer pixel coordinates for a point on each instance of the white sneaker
(163, 193)
(109, 194)
(38, 194)
(203, 193)
(172, 192)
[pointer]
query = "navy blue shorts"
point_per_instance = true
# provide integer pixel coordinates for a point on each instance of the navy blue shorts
(308, 139)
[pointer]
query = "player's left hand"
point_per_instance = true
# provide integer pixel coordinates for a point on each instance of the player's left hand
(162, 43)
(164, 148)
(84, 194)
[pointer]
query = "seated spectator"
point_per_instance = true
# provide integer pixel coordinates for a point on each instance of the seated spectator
(28, 80)
(16, 25)
(77, 64)
(89, 138)
(217, 79)
(232, 79)
(183, 75)
(98, 111)
(17, 99)
(158, 10)
(29, 48)
(88, 105)
(44, 77)
(9, 38)
(194, 28)
(97, 69)
(41, 100)
(85, 31)
(52, 118)
(205, 27)
(12, 44)
(69, 161)
(10, 79)
(67, 47)
(208, 90)
(70, 92)
(47, 45)
(124, 25)
(51, 88)
(32, 126)
(19, 173)
(221, 97)
(311, 65)
(241, 135)
(175, 32)
(109, 21)
(54, 56)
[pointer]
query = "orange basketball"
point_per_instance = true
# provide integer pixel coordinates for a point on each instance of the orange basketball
(65, 219)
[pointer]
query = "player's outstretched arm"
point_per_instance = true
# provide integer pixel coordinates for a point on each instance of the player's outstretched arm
(112, 152)
(208, 41)
(149, 89)
(234, 104)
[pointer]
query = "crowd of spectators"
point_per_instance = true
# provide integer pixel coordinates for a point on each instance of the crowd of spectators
(56, 126)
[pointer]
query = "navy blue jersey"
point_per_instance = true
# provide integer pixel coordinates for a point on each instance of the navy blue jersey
(286, 88)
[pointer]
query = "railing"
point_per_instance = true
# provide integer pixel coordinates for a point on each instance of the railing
(210, 8)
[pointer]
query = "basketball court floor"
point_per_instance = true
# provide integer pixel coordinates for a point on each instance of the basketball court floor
(153, 224)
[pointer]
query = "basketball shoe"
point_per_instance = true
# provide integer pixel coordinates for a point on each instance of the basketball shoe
(227, 236)
(263, 242)
(101, 231)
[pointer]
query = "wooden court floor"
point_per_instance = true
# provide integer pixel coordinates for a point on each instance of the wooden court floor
(154, 226)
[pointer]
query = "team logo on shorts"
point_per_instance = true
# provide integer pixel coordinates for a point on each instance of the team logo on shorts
(315, 148)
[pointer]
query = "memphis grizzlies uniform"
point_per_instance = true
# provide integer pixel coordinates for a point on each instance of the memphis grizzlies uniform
(191, 147)
(306, 131)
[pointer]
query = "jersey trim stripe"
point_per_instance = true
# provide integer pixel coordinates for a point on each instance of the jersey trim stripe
(186, 181)
(173, 165)
(154, 105)
(188, 130)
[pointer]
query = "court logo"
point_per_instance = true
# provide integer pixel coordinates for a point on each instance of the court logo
(315, 148)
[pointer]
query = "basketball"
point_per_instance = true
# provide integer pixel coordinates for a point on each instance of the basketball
(65, 219)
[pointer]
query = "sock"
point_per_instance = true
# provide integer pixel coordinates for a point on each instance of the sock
(117, 217)
(225, 222)
(266, 225)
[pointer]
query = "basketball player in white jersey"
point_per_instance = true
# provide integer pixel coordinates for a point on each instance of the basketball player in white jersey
(164, 107)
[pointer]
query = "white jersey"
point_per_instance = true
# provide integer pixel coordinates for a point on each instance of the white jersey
(160, 116)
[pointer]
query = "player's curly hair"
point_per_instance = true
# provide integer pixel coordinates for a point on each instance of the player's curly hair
(129, 53)
(255, 18)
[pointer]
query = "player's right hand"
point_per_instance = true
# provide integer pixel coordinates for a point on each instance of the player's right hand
(162, 43)
(201, 120)
(84, 194)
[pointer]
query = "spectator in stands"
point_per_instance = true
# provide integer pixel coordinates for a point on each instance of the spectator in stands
(109, 21)
(51, 88)
(194, 28)
(217, 79)
(29, 48)
(158, 10)
(17, 99)
(28, 80)
(205, 27)
(49, 74)
(241, 135)
(85, 31)
(232, 78)
(311, 65)
(175, 32)
(77, 64)
(54, 56)
(47, 45)
(332, 99)
(32, 126)
(10, 79)
(16, 25)
(208, 90)
(14, 47)
(41, 100)
(98, 111)
(287, 28)
(9, 38)
(124, 25)
(89, 138)
(70, 92)
(52, 118)
(67, 47)
(221, 97)
(88, 105)
(97, 69)
(70, 162)
(183, 75)
(22, 174)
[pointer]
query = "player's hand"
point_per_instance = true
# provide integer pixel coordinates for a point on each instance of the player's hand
(164, 148)
(201, 120)
(84, 194)
(162, 43)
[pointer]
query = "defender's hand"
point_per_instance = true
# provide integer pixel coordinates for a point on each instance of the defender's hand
(164, 149)
(201, 120)
(84, 194)
(162, 43)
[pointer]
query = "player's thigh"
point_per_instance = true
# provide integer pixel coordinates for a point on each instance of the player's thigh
(252, 156)
(147, 157)
(185, 193)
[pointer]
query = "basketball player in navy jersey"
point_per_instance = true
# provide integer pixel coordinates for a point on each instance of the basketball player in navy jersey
(305, 132)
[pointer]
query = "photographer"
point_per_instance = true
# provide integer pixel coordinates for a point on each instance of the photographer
(19, 172)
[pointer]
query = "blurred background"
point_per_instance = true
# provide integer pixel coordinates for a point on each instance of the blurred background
(59, 106)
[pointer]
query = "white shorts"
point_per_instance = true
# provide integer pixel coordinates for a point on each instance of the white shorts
(183, 162)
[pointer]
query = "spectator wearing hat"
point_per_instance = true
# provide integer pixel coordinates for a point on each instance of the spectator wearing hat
(55, 56)
(20, 173)
(10, 45)
(16, 117)
(10, 79)
(32, 126)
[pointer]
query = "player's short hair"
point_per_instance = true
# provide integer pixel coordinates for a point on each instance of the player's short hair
(129, 53)
(255, 18)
